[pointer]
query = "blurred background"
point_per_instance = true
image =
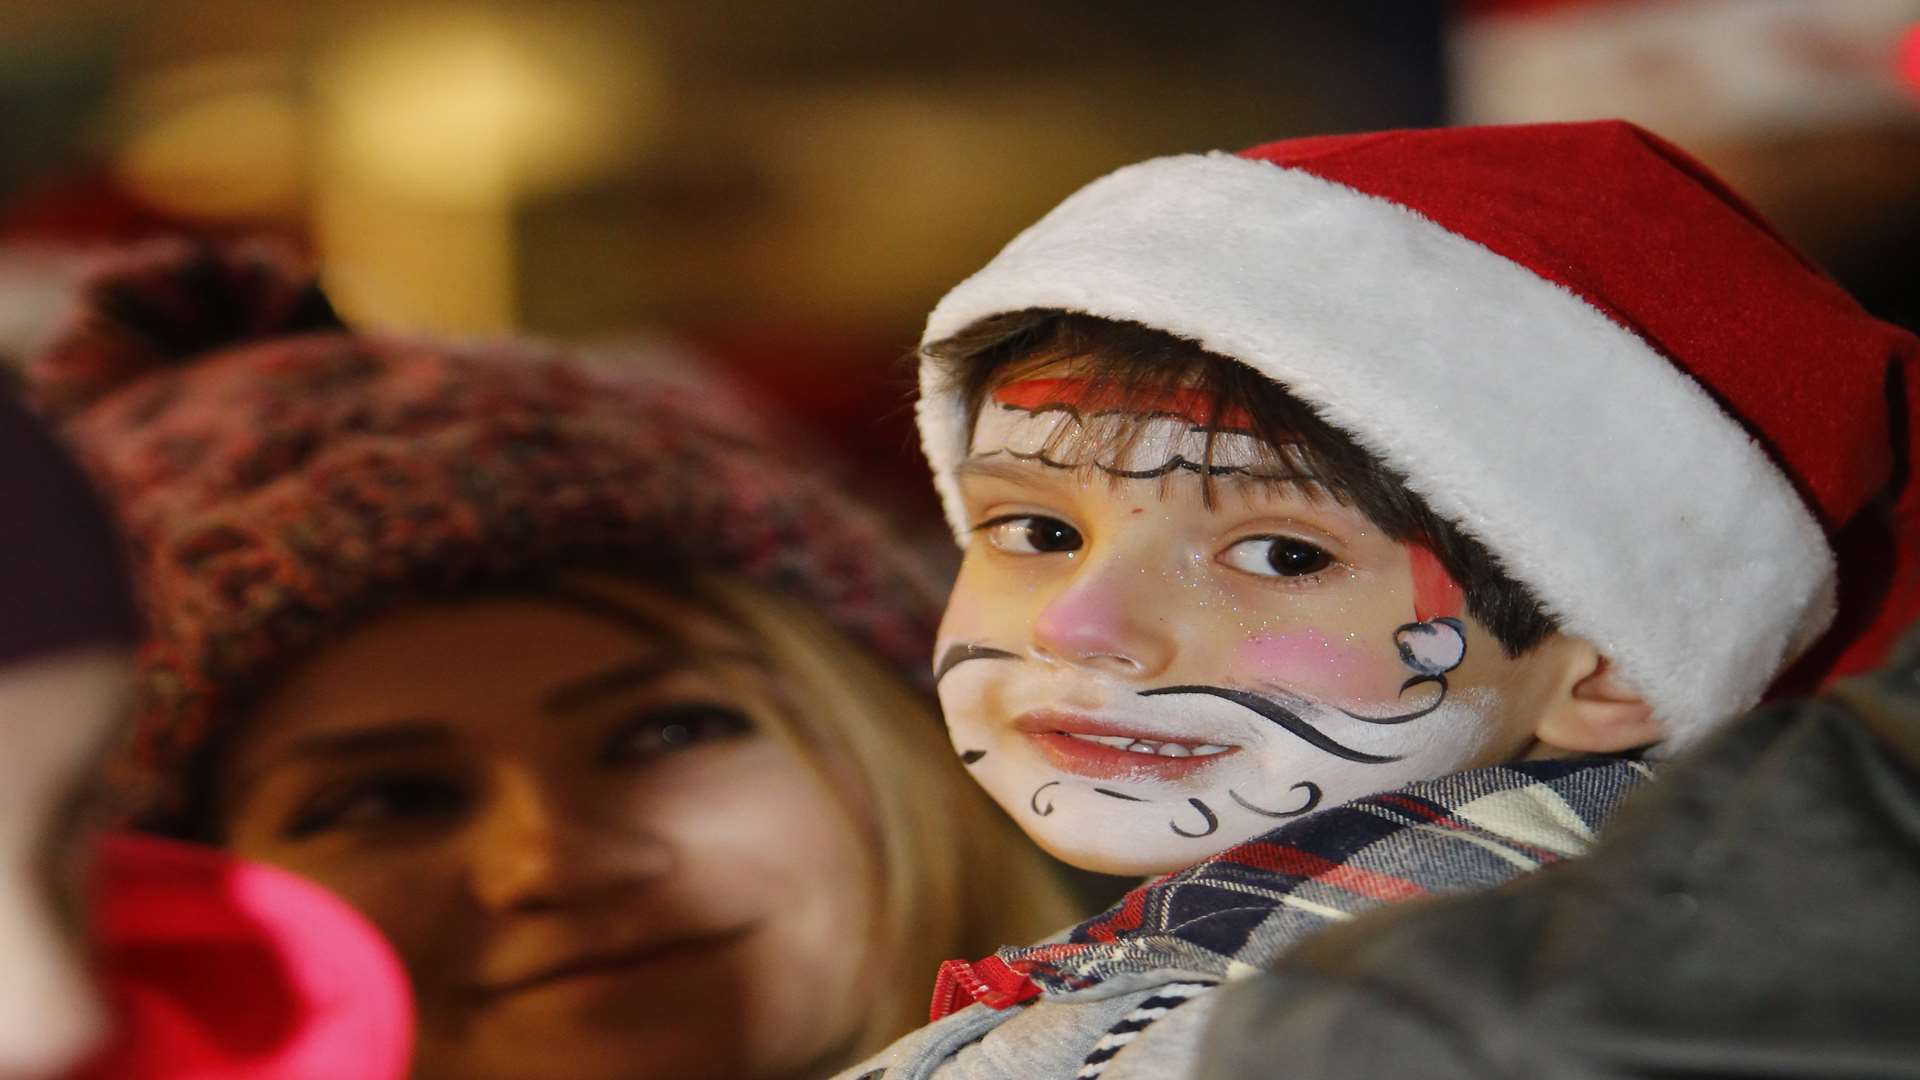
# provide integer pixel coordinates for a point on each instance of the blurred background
(787, 187)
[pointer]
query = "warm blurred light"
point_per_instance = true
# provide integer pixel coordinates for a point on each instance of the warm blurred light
(440, 125)
(482, 106)
(1908, 59)
(219, 140)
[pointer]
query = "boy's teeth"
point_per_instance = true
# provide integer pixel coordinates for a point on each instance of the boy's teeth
(1148, 746)
(1118, 742)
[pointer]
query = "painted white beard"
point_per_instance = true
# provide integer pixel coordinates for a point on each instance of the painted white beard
(1142, 820)
(1128, 445)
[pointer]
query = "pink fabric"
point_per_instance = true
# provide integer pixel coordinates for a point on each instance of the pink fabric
(218, 967)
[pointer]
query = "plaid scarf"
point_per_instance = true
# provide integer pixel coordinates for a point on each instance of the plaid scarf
(1242, 908)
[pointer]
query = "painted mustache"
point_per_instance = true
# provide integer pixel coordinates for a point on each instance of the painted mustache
(1268, 708)
(1286, 719)
(965, 651)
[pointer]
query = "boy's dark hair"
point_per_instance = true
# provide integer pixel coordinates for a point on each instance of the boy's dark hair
(1132, 357)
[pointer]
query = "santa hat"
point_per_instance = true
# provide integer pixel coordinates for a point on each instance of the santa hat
(1690, 68)
(1573, 342)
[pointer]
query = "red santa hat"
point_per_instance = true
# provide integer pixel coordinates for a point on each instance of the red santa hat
(1573, 341)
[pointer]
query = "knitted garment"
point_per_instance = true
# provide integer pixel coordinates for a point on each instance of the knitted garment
(277, 490)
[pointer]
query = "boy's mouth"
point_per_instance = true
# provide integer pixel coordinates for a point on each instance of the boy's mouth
(1106, 750)
(1149, 746)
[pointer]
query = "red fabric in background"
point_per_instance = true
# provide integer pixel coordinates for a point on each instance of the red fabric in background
(217, 967)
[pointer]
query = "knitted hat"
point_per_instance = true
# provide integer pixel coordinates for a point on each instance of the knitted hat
(279, 477)
(1571, 340)
(63, 581)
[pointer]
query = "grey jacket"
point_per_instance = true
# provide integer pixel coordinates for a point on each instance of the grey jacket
(1756, 914)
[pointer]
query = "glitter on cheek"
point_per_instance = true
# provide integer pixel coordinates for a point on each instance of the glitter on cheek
(1310, 660)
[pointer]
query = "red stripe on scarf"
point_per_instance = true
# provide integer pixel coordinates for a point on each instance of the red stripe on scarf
(1291, 860)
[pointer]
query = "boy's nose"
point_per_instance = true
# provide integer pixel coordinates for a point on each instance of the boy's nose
(1101, 621)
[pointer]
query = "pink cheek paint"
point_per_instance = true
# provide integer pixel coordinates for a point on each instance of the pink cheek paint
(1310, 662)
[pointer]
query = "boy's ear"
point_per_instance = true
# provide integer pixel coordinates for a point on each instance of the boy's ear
(1591, 710)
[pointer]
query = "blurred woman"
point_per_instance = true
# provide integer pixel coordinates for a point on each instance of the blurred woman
(614, 719)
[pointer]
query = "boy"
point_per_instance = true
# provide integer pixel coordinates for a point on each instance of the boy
(1468, 460)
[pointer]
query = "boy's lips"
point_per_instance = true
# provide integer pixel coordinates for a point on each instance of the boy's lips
(1112, 750)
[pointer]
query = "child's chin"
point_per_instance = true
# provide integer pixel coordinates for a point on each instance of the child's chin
(1106, 857)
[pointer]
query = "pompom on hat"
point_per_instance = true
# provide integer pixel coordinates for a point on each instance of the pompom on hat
(280, 477)
(1572, 341)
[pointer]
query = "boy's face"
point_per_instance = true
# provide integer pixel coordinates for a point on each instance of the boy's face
(1143, 680)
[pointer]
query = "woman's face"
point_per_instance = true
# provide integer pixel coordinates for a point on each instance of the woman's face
(590, 846)
(56, 713)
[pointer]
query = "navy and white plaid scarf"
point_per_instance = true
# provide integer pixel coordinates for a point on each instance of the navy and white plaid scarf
(1245, 906)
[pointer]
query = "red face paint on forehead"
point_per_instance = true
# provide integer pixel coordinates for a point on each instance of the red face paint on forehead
(1089, 397)
(1435, 593)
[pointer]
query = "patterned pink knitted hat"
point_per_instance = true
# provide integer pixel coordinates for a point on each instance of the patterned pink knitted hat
(279, 477)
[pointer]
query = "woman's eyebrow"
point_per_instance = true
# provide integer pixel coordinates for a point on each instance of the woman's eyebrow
(345, 744)
(577, 694)
(371, 739)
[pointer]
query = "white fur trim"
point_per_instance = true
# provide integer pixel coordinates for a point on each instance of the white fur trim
(1643, 517)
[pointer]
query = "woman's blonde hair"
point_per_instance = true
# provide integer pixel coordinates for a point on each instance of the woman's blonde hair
(955, 877)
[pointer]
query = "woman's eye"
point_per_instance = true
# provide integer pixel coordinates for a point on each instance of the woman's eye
(1032, 534)
(376, 801)
(1277, 556)
(677, 727)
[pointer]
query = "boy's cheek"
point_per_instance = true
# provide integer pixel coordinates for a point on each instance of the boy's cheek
(1339, 666)
(982, 608)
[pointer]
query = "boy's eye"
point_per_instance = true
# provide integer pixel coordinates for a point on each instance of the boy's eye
(676, 727)
(1032, 534)
(1277, 556)
(382, 800)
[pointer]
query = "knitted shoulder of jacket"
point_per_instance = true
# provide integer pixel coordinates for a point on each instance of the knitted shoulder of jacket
(1091, 996)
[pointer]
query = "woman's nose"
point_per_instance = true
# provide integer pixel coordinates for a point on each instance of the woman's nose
(1104, 618)
(537, 848)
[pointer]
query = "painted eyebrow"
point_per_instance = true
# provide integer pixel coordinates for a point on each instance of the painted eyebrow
(998, 465)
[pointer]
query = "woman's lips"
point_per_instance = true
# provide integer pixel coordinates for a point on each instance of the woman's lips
(1103, 750)
(617, 963)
